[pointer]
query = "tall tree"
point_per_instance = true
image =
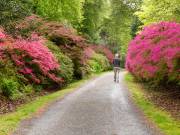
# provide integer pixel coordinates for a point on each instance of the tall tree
(117, 26)
(159, 10)
(68, 11)
(94, 13)
(135, 26)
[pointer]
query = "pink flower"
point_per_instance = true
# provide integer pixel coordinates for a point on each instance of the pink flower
(156, 49)
(26, 70)
(26, 53)
(2, 35)
(104, 50)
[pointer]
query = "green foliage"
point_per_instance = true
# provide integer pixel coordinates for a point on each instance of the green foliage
(135, 26)
(116, 30)
(12, 84)
(98, 63)
(94, 66)
(10, 88)
(10, 81)
(94, 13)
(13, 10)
(68, 11)
(28, 89)
(66, 64)
(159, 10)
(37, 88)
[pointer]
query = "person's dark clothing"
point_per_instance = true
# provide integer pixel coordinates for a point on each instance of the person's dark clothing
(116, 62)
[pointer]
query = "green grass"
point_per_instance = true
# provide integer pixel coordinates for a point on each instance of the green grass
(9, 122)
(162, 119)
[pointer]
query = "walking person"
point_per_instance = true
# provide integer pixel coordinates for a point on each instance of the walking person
(116, 65)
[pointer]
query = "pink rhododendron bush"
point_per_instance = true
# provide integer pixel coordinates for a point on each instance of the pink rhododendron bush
(66, 38)
(94, 62)
(103, 50)
(32, 62)
(34, 59)
(31, 58)
(44, 54)
(154, 55)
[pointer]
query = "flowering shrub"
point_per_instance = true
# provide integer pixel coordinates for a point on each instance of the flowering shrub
(98, 63)
(2, 35)
(94, 62)
(154, 55)
(53, 30)
(34, 59)
(70, 43)
(66, 68)
(23, 62)
(103, 50)
(88, 54)
(11, 82)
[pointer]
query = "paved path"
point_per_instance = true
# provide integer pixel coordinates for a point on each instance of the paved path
(100, 107)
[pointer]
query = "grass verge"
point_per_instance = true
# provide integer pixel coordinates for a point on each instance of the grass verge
(162, 119)
(9, 122)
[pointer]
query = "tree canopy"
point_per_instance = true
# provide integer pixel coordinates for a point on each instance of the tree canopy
(60, 10)
(159, 10)
(110, 22)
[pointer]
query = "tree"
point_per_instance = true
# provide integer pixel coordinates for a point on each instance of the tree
(67, 11)
(94, 13)
(159, 10)
(135, 26)
(117, 26)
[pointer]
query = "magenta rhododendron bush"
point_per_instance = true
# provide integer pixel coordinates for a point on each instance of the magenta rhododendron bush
(88, 54)
(40, 54)
(32, 58)
(2, 35)
(103, 50)
(154, 55)
(29, 53)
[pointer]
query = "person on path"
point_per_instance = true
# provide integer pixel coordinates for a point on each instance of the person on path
(116, 65)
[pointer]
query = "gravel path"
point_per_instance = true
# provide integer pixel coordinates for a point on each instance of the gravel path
(100, 107)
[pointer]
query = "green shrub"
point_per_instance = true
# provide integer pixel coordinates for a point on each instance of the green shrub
(10, 88)
(28, 89)
(66, 64)
(94, 66)
(13, 10)
(12, 84)
(102, 60)
(98, 63)
(37, 88)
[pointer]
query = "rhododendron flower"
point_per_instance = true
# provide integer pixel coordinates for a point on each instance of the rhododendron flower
(155, 52)
(30, 54)
(26, 70)
(2, 35)
(88, 53)
(104, 50)
(40, 53)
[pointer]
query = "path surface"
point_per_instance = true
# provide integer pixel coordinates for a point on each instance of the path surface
(100, 107)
